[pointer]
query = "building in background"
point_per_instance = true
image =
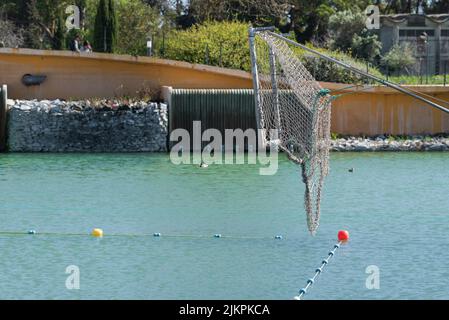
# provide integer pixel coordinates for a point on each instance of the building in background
(428, 35)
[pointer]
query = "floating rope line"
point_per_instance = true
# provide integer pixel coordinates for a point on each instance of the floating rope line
(343, 236)
(98, 233)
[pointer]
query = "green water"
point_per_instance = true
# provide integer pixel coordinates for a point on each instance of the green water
(395, 205)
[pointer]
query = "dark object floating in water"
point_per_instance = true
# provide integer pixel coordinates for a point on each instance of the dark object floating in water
(33, 80)
(351, 170)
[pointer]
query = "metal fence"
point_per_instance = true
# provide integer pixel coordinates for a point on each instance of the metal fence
(431, 59)
(431, 62)
(208, 55)
(219, 109)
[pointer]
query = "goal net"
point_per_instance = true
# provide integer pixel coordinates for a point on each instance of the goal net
(290, 100)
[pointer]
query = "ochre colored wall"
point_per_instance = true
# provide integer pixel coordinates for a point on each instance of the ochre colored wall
(382, 110)
(70, 75)
(74, 75)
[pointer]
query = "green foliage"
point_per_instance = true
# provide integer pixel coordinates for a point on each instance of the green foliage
(101, 18)
(258, 12)
(342, 28)
(111, 34)
(366, 46)
(193, 45)
(324, 70)
(105, 31)
(138, 22)
(335, 136)
(310, 18)
(209, 41)
(416, 80)
(348, 33)
(59, 37)
(400, 57)
(10, 35)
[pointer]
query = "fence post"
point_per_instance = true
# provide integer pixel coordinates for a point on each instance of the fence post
(3, 106)
(221, 55)
(420, 70)
(388, 70)
(206, 54)
(445, 71)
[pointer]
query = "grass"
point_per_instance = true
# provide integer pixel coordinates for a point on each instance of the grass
(417, 80)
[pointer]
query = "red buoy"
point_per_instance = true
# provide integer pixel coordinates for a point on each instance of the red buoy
(343, 235)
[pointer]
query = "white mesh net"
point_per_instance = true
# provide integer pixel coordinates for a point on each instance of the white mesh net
(290, 100)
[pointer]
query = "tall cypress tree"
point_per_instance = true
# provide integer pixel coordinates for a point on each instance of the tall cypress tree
(59, 37)
(105, 32)
(100, 27)
(112, 27)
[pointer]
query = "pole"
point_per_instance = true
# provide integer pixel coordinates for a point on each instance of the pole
(275, 87)
(255, 73)
(360, 72)
(445, 71)
(427, 61)
(420, 70)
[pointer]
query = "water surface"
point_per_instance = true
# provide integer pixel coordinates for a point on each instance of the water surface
(395, 205)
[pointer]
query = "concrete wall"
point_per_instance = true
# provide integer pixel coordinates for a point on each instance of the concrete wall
(71, 75)
(85, 75)
(371, 112)
(384, 111)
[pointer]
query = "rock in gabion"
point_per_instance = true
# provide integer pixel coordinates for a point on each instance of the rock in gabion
(383, 143)
(59, 126)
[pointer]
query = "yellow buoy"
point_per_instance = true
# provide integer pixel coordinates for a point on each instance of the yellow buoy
(98, 233)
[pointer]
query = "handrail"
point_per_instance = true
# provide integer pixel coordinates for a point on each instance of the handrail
(387, 83)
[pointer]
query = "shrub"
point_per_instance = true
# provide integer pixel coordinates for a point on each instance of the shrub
(214, 43)
(324, 70)
(343, 26)
(10, 36)
(400, 57)
(366, 46)
(137, 21)
(203, 43)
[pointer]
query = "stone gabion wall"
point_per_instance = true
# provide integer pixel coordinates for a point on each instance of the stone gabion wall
(384, 143)
(59, 126)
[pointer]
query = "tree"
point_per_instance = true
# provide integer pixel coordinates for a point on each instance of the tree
(438, 6)
(101, 20)
(59, 36)
(348, 33)
(399, 58)
(111, 35)
(10, 35)
(398, 6)
(343, 26)
(105, 30)
(366, 46)
(138, 21)
(310, 19)
(258, 12)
